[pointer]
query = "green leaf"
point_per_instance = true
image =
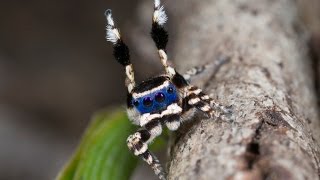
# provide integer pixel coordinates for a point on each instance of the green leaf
(103, 153)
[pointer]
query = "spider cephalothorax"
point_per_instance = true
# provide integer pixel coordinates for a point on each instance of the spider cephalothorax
(154, 95)
(165, 100)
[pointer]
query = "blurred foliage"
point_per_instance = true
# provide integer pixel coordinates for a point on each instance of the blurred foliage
(103, 153)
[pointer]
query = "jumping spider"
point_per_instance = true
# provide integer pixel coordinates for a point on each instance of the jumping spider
(167, 99)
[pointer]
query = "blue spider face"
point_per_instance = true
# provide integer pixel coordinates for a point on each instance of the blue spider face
(156, 100)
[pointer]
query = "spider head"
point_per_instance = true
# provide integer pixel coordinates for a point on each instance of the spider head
(153, 95)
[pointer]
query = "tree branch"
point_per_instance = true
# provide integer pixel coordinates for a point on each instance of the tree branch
(268, 82)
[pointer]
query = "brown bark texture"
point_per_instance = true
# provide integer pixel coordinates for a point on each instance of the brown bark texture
(268, 81)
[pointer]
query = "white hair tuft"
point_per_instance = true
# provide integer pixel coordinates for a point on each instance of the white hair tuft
(159, 15)
(156, 3)
(112, 33)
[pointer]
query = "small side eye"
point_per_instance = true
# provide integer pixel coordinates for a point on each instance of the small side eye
(136, 103)
(147, 101)
(170, 90)
(160, 97)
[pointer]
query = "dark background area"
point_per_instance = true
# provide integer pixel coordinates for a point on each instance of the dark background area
(56, 70)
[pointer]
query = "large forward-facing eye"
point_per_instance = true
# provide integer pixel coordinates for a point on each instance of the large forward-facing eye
(147, 101)
(160, 97)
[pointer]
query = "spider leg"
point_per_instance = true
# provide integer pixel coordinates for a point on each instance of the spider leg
(138, 144)
(193, 99)
(194, 71)
(201, 69)
(196, 98)
(154, 163)
(225, 112)
(173, 122)
(214, 104)
(160, 35)
(120, 49)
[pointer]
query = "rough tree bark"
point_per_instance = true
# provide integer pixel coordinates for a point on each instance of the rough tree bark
(268, 82)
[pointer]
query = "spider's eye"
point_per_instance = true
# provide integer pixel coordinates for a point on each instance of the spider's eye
(147, 101)
(170, 90)
(160, 97)
(136, 103)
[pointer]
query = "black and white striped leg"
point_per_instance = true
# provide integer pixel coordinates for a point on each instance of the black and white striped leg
(173, 123)
(214, 104)
(158, 32)
(138, 144)
(203, 102)
(154, 163)
(222, 112)
(120, 49)
(193, 99)
(160, 35)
